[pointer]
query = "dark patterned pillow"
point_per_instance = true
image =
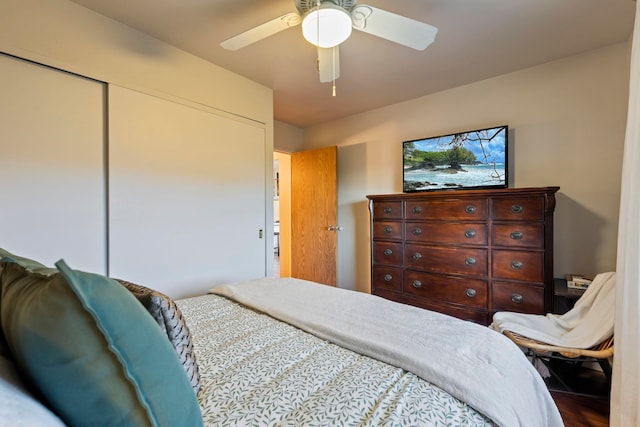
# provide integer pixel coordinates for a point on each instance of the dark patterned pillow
(165, 311)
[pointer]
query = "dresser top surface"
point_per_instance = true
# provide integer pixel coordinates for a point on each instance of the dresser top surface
(505, 192)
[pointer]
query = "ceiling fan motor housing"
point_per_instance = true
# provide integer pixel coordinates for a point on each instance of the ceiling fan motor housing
(305, 6)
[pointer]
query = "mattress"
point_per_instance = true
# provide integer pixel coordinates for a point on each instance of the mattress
(259, 371)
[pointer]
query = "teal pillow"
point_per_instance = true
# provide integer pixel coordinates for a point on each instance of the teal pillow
(92, 350)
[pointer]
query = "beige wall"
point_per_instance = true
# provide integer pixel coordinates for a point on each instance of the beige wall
(287, 138)
(63, 34)
(567, 124)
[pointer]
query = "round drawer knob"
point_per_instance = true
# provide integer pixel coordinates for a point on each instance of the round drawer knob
(387, 210)
(516, 265)
(517, 298)
(517, 208)
(470, 261)
(416, 209)
(416, 284)
(388, 277)
(471, 293)
(416, 231)
(417, 256)
(470, 234)
(470, 209)
(387, 230)
(517, 235)
(387, 252)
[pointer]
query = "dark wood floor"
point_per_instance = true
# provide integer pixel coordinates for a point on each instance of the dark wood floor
(580, 410)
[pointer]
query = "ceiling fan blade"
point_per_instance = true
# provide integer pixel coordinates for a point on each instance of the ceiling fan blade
(328, 64)
(395, 28)
(262, 31)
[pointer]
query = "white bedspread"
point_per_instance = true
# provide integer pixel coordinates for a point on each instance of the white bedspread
(256, 370)
(473, 363)
(589, 322)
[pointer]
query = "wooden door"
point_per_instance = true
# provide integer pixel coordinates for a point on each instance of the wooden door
(314, 215)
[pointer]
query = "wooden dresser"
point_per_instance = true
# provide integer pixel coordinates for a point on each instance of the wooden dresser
(465, 253)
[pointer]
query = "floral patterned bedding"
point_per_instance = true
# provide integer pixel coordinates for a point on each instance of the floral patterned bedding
(258, 371)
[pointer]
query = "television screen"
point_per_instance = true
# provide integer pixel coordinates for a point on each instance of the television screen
(466, 160)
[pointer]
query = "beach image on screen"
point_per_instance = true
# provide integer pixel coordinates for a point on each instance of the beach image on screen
(474, 159)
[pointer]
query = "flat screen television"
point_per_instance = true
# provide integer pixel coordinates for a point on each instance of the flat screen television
(465, 160)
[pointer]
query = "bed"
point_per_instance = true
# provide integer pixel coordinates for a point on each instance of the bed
(280, 352)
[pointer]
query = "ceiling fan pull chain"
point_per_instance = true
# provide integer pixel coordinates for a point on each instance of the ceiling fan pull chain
(334, 69)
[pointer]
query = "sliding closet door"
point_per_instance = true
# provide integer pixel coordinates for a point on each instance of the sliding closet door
(186, 195)
(52, 197)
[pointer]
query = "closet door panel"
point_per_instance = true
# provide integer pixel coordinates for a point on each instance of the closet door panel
(52, 165)
(186, 195)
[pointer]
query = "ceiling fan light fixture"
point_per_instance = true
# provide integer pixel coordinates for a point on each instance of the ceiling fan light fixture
(326, 26)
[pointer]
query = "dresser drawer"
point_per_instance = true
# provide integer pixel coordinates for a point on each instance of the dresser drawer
(387, 230)
(393, 296)
(446, 260)
(388, 253)
(387, 278)
(518, 265)
(518, 209)
(447, 209)
(518, 235)
(446, 233)
(476, 316)
(469, 292)
(387, 210)
(518, 297)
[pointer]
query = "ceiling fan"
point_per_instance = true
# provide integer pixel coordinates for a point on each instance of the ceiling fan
(328, 23)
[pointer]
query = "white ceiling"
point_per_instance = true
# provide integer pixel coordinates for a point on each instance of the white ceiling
(477, 39)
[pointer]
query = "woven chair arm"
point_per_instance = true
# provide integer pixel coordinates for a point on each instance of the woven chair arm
(603, 350)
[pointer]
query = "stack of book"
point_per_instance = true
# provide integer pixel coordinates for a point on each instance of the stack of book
(578, 281)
